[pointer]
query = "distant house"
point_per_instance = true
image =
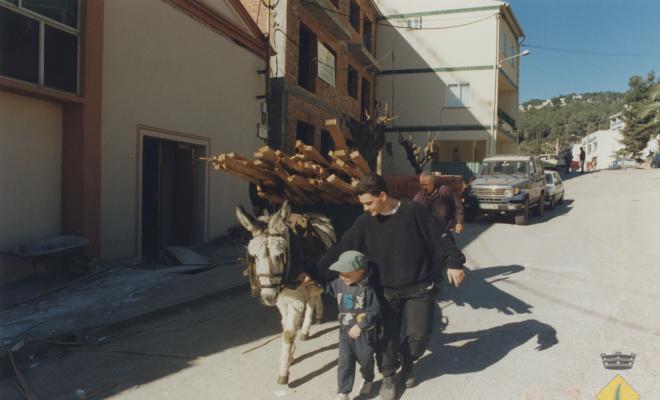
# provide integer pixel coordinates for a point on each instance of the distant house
(601, 146)
(450, 68)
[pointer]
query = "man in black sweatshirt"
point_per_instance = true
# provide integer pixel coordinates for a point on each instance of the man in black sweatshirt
(407, 246)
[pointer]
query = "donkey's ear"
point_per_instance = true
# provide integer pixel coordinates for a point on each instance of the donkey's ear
(247, 220)
(277, 223)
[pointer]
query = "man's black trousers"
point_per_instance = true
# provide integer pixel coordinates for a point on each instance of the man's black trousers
(361, 350)
(407, 311)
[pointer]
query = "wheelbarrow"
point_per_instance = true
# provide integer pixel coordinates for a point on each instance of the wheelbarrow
(59, 247)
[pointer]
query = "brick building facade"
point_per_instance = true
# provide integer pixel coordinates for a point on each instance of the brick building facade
(302, 94)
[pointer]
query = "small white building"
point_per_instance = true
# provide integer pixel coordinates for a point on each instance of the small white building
(601, 146)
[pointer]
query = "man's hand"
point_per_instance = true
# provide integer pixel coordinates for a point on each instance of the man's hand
(455, 276)
(304, 279)
(354, 332)
(458, 228)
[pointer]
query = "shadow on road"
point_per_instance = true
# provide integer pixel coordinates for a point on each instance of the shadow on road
(478, 291)
(483, 348)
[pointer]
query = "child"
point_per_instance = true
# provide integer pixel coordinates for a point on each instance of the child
(359, 311)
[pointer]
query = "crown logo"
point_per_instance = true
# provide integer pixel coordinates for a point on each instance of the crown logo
(618, 360)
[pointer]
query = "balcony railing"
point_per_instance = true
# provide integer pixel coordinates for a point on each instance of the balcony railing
(504, 117)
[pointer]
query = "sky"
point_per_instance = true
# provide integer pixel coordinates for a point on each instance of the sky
(623, 27)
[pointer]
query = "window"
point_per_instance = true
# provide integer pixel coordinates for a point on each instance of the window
(305, 132)
(458, 95)
(354, 16)
(352, 82)
(64, 11)
(307, 54)
(39, 42)
(366, 34)
(365, 101)
(326, 64)
(503, 47)
(414, 23)
(327, 144)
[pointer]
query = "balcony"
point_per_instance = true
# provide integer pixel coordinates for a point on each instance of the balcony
(336, 24)
(506, 119)
(363, 56)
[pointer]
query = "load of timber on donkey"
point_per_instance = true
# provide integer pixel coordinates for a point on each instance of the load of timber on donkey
(309, 178)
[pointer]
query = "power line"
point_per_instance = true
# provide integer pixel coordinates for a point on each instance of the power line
(388, 25)
(592, 53)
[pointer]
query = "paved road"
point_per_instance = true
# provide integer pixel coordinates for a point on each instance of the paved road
(541, 304)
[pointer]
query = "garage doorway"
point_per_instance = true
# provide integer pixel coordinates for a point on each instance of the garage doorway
(173, 194)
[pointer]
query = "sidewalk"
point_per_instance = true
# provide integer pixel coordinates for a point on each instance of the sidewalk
(117, 297)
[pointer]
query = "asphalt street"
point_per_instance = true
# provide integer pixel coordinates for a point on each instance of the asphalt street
(539, 306)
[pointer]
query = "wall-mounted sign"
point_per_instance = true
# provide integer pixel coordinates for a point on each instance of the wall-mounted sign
(326, 64)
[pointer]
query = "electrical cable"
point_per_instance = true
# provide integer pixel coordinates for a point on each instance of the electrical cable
(592, 53)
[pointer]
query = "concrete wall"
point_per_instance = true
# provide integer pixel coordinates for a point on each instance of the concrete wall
(434, 59)
(166, 70)
(30, 176)
(601, 146)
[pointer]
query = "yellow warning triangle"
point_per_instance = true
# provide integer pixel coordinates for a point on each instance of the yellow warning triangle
(618, 389)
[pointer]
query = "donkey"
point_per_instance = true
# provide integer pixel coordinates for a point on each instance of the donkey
(281, 246)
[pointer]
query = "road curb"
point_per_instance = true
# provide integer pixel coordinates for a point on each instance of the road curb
(36, 349)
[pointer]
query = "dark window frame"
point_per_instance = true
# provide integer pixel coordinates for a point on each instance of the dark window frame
(307, 54)
(367, 34)
(352, 81)
(52, 68)
(354, 15)
(365, 97)
(305, 132)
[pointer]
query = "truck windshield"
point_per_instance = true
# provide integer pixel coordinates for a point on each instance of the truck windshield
(504, 168)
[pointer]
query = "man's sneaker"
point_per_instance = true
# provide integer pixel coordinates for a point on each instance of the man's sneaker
(387, 389)
(342, 396)
(366, 387)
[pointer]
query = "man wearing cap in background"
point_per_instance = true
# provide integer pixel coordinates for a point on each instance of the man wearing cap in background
(407, 246)
(359, 312)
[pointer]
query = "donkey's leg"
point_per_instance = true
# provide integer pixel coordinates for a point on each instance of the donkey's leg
(317, 301)
(307, 320)
(287, 341)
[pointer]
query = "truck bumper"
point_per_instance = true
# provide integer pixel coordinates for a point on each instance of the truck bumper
(501, 206)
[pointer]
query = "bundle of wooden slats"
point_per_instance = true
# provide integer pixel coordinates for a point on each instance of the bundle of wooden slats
(304, 178)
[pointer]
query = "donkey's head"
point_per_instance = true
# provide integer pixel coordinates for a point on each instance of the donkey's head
(269, 248)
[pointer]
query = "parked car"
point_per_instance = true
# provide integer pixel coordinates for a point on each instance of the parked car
(655, 161)
(510, 185)
(554, 189)
(623, 164)
(552, 161)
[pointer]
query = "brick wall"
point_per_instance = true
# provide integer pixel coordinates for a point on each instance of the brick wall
(258, 12)
(336, 98)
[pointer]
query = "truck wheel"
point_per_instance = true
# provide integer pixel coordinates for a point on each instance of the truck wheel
(561, 199)
(523, 216)
(540, 206)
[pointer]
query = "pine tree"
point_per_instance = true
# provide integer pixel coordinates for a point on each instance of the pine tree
(640, 113)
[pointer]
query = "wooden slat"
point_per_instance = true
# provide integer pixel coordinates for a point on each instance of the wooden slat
(298, 192)
(269, 157)
(336, 133)
(361, 163)
(350, 169)
(340, 184)
(343, 155)
(243, 168)
(311, 154)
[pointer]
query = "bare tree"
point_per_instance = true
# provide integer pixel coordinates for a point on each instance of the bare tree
(417, 156)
